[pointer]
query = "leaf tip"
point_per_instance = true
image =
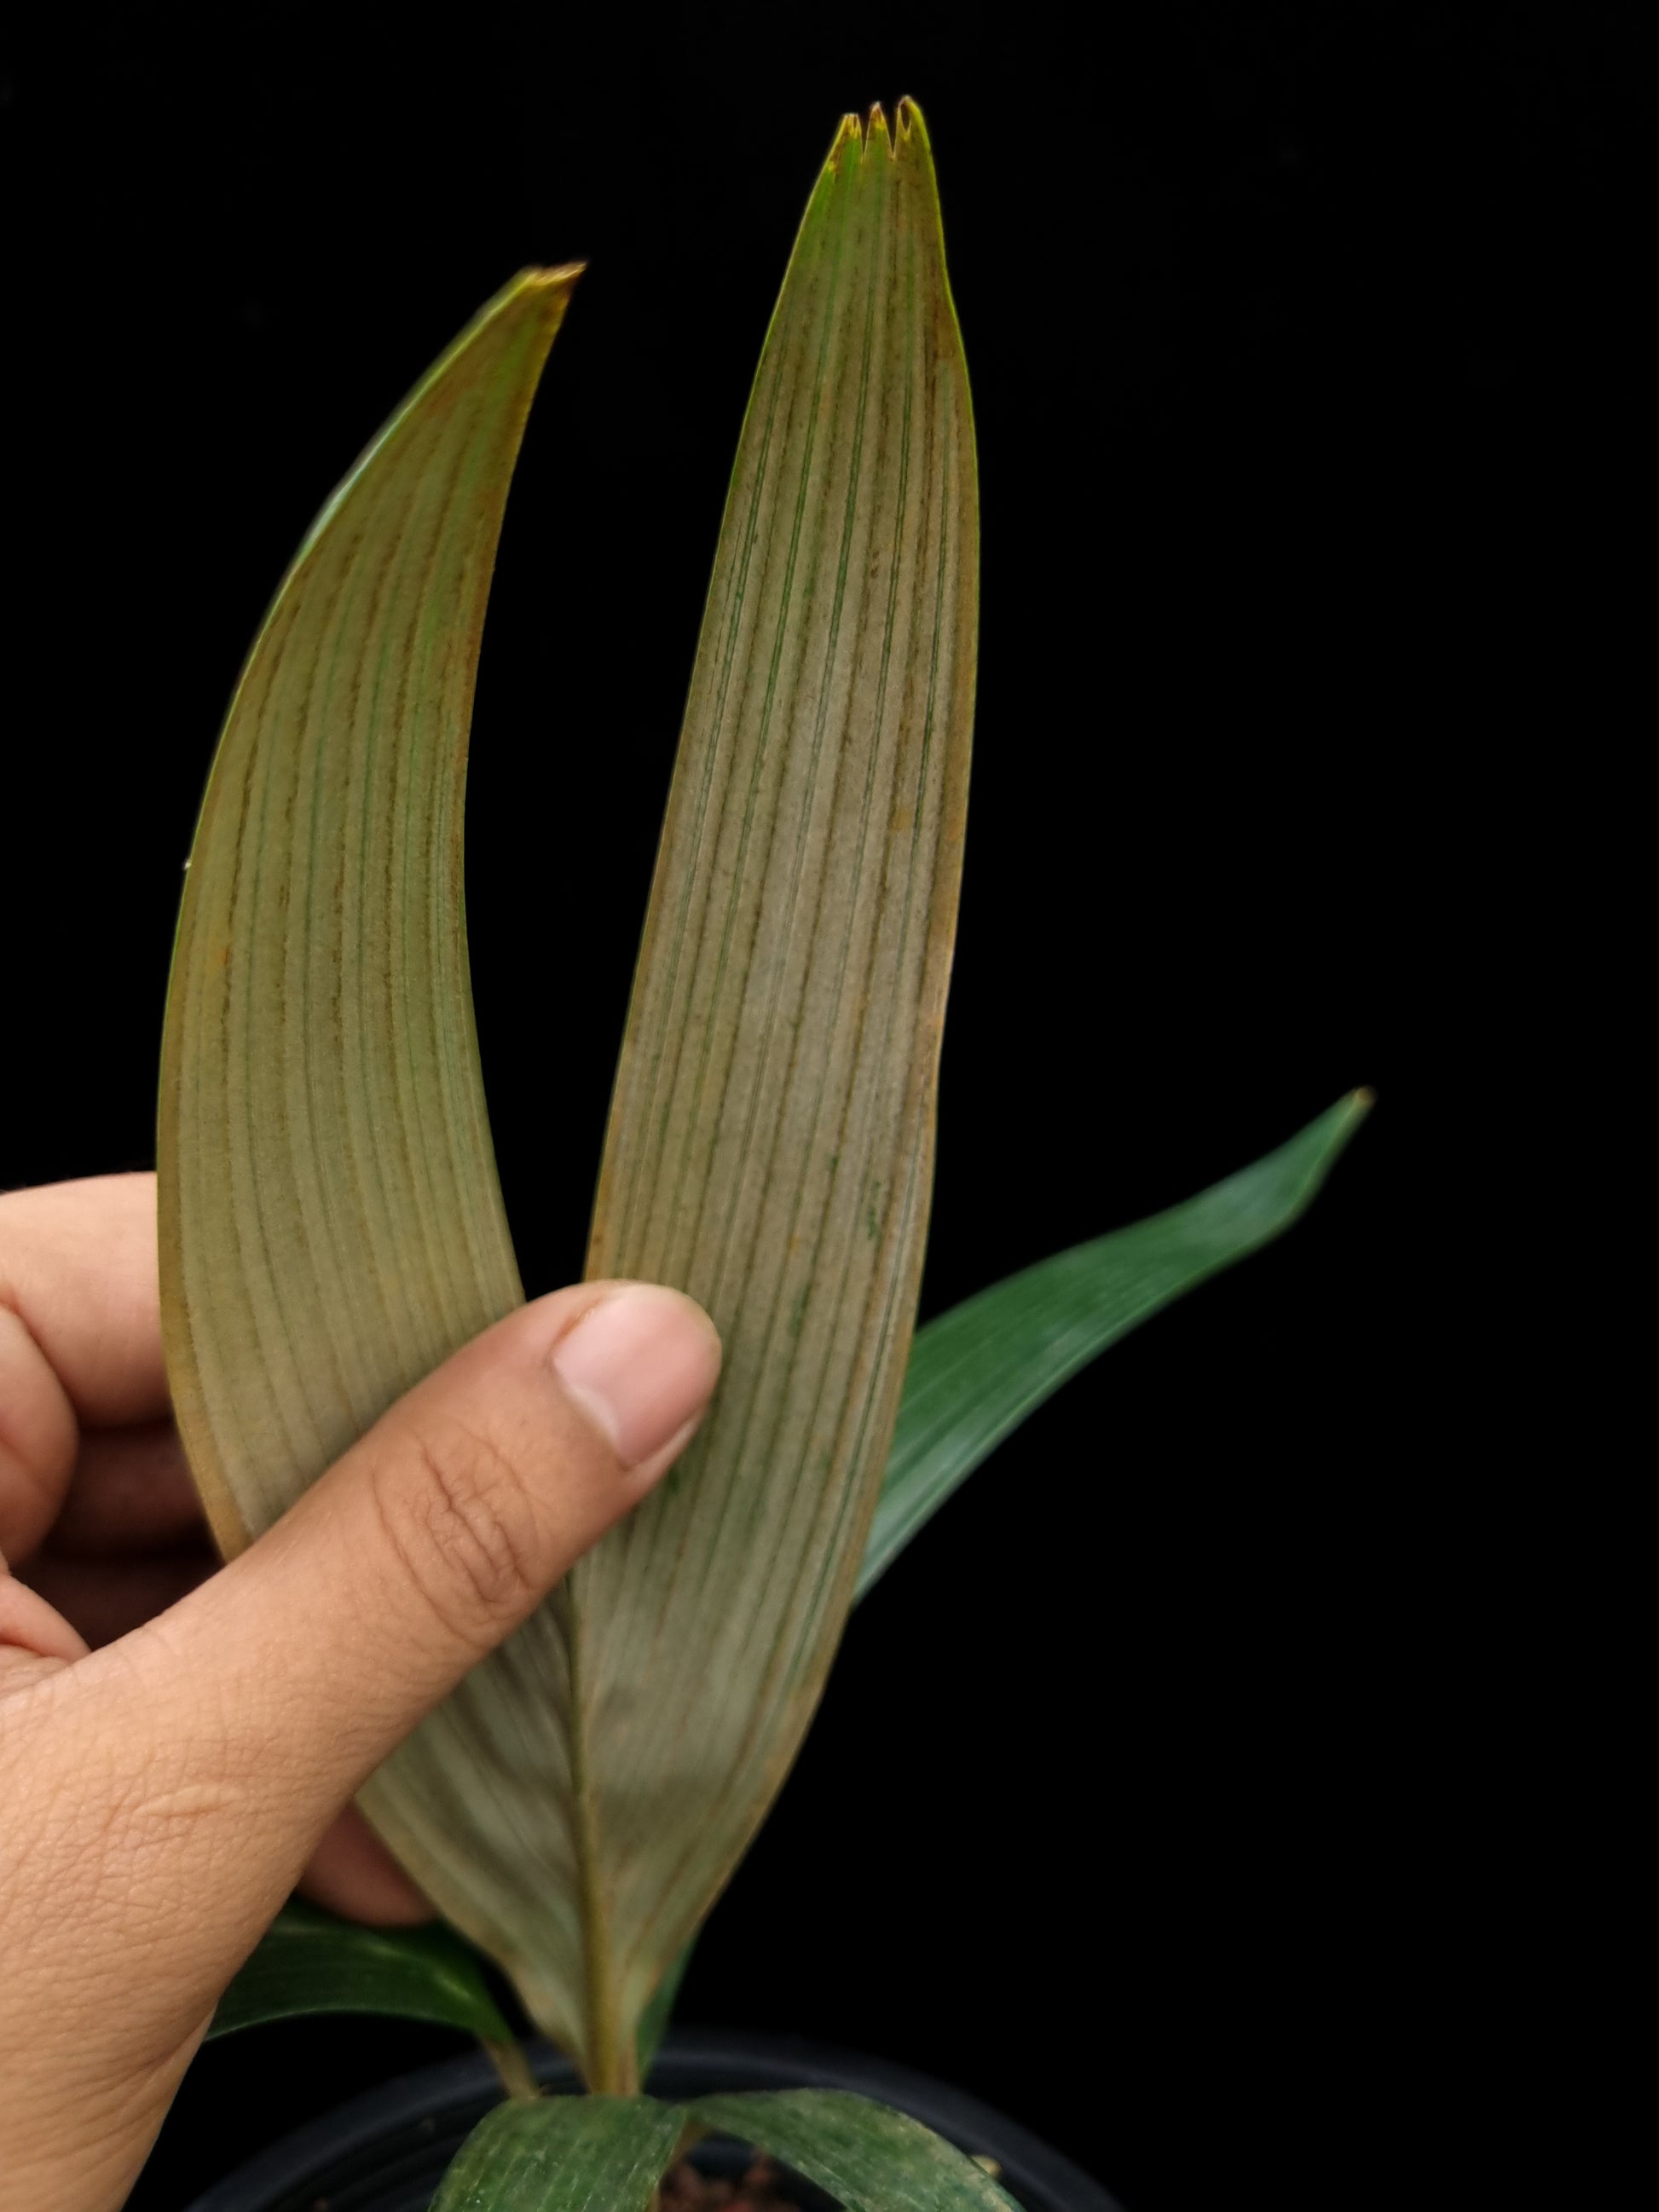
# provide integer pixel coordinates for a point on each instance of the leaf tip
(849, 134)
(551, 279)
(868, 136)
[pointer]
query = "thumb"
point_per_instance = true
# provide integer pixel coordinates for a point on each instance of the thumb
(322, 1645)
(163, 1794)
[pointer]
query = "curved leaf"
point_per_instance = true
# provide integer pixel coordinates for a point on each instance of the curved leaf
(869, 2156)
(977, 1371)
(602, 2154)
(308, 1961)
(564, 2154)
(331, 1226)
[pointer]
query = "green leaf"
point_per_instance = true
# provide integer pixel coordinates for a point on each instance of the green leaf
(564, 2154)
(977, 1371)
(601, 2153)
(868, 2156)
(309, 1961)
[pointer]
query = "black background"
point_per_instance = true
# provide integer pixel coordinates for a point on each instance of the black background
(1307, 346)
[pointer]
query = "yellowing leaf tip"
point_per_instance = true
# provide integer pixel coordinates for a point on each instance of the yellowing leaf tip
(548, 280)
(874, 135)
(850, 132)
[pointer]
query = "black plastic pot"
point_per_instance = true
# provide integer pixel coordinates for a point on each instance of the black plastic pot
(386, 2151)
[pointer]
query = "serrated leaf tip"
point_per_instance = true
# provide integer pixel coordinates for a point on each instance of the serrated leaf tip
(849, 133)
(873, 133)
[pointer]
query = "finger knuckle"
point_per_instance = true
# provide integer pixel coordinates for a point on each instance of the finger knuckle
(459, 1520)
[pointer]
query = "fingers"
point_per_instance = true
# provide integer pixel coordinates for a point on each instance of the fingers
(130, 1492)
(129, 1540)
(104, 1599)
(352, 1872)
(166, 1793)
(38, 1437)
(77, 1261)
(80, 1335)
(320, 1647)
(31, 1627)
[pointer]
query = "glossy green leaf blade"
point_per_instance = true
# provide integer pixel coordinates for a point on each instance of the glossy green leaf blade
(870, 2157)
(564, 2154)
(308, 1961)
(331, 1223)
(977, 1371)
(770, 1143)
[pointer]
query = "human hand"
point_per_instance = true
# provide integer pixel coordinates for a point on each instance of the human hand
(177, 1744)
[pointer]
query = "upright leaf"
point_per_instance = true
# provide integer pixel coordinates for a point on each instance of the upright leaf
(770, 1145)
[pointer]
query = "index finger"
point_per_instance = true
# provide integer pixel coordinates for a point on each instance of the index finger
(80, 1334)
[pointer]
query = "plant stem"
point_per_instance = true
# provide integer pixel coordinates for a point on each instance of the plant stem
(618, 2071)
(611, 2065)
(510, 2062)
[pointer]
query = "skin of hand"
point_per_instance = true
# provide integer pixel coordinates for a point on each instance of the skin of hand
(177, 1743)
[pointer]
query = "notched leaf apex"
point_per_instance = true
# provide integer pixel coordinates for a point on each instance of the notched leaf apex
(875, 134)
(850, 133)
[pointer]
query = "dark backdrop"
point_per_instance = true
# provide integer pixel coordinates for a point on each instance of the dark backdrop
(1305, 344)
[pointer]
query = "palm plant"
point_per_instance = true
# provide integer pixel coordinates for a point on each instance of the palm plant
(332, 1226)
